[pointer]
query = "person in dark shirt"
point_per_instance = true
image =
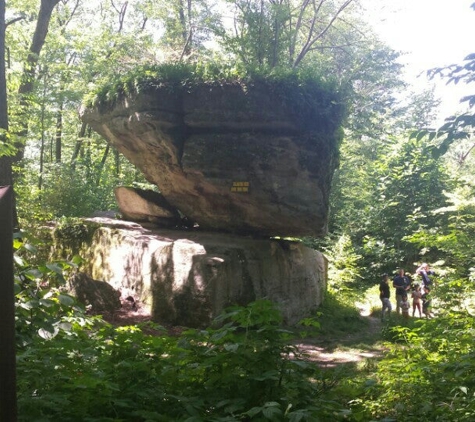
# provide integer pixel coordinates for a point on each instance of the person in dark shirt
(401, 284)
(384, 295)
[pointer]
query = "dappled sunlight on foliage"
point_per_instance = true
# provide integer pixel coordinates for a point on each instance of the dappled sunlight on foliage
(72, 366)
(427, 373)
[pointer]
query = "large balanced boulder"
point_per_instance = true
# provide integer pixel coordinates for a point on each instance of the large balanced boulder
(189, 277)
(249, 159)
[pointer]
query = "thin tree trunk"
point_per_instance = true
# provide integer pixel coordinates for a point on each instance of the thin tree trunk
(117, 162)
(6, 177)
(59, 133)
(77, 147)
(42, 146)
(313, 38)
(102, 164)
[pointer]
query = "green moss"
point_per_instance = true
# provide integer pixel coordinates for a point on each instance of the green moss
(72, 233)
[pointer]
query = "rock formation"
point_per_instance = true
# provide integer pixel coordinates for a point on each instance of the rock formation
(98, 295)
(231, 158)
(253, 160)
(188, 278)
(146, 205)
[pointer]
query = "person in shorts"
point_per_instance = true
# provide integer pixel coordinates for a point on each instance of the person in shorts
(384, 295)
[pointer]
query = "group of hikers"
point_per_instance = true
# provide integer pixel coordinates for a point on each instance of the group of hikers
(419, 293)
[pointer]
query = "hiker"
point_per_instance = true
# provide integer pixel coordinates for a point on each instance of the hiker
(405, 306)
(416, 299)
(384, 295)
(401, 284)
(424, 271)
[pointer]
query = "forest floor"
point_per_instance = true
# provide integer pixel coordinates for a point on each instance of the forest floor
(327, 350)
(350, 348)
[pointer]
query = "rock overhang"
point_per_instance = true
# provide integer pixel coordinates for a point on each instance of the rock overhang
(237, 158)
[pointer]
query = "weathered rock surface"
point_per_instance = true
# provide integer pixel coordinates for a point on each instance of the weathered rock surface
(231, 158)
(145, 205)
(97, 294)
(188, 277)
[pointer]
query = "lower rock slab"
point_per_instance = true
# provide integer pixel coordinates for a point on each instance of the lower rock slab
(188, 277)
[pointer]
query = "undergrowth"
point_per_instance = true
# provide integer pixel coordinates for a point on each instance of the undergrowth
(340, 317)
(245, 367)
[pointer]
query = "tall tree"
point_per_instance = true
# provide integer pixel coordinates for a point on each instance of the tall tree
(282, 33)
(8, 403)
(29, 70)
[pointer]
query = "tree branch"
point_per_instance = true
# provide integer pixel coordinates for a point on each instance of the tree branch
(311, 42)
(19, 18)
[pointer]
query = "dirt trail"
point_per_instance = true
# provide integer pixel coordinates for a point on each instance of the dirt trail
(327, 352)
(339, 351)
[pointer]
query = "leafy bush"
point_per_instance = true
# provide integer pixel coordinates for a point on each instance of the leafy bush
(427, 373)
(74, 367)
(243, 370)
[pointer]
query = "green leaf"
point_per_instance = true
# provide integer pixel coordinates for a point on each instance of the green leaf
(55, 268)
(77, 260)
(46, 302)
(231, 347)
(66, 300)
(254, 411)
(31, 304)
(18, 260)
(65, 326)
(17, 243)
(272, 412)
(48, 334)
(30, 248)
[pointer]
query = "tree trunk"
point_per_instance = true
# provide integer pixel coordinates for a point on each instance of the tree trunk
(29, 70)
(77, 147)
(8, 405)
(6, 176)
(102, 164)
(5, 162)
(117, 162)
(59, 133)
(42, 145)
(3, 81)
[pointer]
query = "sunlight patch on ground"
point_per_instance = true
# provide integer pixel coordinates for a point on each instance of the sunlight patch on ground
(364, 308)
(331, 359)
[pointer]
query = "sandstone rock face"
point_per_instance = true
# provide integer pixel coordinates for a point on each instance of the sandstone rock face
(99, 295)
(231, 159)
(145, 205)
(188, 277)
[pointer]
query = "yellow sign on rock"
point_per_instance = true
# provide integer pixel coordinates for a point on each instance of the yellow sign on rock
(242, 187)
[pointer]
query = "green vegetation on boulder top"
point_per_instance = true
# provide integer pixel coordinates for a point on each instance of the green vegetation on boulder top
(305, 90)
